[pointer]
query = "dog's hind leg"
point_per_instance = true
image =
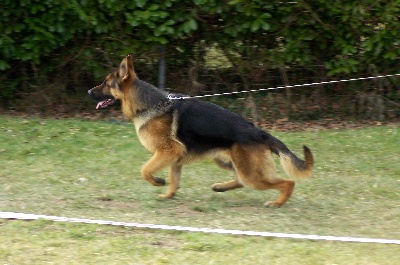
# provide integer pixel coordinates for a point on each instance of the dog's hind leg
(285, 186)
(256, 169)
(225, 164)
(174, 181)
(225, 186)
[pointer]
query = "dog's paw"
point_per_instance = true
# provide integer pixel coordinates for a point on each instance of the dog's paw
(167, 195)
(159, 181)
(272, 204)
(217, 187)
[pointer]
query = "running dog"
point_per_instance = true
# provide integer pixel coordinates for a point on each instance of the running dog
(178, 131)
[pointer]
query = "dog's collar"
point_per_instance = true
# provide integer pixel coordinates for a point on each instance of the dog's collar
(172, 97)
(176, 97)
(160, 107)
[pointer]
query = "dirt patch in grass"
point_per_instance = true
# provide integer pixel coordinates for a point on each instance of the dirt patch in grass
(115, 204)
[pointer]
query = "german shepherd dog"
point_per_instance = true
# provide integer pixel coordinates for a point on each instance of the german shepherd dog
(178, 131)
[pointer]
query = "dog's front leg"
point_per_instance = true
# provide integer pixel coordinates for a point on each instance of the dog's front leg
(157, 162)
(174, 181)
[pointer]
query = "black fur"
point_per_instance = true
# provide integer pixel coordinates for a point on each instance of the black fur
(149, 94)
(203, 126)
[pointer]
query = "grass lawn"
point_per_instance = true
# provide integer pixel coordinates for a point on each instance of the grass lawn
(90, 169)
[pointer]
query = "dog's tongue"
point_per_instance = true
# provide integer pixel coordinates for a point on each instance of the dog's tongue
(102, 104)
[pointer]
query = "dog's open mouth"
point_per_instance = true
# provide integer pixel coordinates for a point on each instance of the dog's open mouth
(105, 103)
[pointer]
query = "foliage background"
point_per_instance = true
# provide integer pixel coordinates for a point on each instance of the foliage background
(52, 51)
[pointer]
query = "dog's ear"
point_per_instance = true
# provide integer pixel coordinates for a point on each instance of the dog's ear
(126, 71)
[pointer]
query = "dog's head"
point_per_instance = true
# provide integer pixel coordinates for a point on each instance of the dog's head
(112, 89)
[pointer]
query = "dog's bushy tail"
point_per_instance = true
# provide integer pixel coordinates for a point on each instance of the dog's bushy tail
(293, 166)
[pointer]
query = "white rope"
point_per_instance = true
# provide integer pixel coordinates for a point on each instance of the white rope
(26, 217)
(171, 96)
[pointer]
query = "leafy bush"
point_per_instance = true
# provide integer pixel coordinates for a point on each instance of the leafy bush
(41, 40)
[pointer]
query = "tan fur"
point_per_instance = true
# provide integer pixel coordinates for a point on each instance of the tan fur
(292, 170)
(253, 166)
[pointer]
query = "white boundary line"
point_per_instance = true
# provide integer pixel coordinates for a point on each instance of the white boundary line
(27, 217)
(171, 96)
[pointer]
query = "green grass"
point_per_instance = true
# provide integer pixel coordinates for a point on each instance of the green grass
(90, 169)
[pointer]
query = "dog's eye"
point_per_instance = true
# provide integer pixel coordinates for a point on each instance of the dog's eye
(104, 83)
